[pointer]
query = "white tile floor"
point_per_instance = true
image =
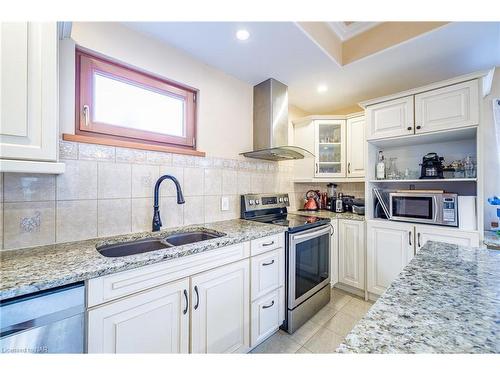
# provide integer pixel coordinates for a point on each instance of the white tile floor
(324, 332)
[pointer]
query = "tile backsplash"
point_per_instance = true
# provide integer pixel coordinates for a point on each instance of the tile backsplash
(108, 191)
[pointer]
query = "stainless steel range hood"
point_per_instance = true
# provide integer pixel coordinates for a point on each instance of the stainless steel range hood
(270, 124)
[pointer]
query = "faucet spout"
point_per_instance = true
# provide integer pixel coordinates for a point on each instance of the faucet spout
(156, 207)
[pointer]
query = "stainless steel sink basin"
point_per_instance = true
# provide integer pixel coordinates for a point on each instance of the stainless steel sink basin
(184, 238)
(132, 247)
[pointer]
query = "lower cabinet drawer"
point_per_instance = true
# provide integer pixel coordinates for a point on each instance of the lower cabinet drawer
(267, 316)
(267, 272)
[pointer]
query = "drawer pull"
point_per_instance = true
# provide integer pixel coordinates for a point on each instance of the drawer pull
(268, 243)
(187, 302)
(268, 264)
(268, 306)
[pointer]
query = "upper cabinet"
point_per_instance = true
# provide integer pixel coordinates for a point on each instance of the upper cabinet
(29, 97)
(356, 147)
(330, 148)
(450, 107)
(337, 144)
(390, 119)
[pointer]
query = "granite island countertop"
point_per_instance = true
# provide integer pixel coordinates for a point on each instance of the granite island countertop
(24, 271)
(447, 300)
(330, 214)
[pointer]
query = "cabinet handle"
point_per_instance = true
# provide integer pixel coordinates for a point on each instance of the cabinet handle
(418, 240)
(268, 243)
(187, 302)
(86, 114)
(268, 306)
(419, 127)
(409, 237)
(268, 264)
(316, 167)
(197, 297)
(349, 168)
(409, 128)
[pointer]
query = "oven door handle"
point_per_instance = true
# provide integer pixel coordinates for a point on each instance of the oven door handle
(300, 237)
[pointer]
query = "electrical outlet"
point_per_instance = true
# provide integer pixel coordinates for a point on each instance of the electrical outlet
(224, 204)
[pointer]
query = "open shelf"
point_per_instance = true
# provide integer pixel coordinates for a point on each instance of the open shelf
(428, 180)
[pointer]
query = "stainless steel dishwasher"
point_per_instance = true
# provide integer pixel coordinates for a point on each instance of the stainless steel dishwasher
(51, 321)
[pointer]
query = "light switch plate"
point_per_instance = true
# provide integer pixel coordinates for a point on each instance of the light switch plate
(224, 204)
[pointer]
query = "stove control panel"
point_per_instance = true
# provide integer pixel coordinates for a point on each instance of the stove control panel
(252, 202)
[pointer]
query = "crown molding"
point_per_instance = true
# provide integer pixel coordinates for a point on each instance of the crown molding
(345, 32)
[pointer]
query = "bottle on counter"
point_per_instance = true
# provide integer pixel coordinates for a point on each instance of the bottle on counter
(380, 169)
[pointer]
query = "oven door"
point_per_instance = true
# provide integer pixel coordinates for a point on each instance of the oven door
(309, 264)
(420, 208)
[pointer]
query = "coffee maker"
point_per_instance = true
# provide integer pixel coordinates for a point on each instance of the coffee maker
(432, 166)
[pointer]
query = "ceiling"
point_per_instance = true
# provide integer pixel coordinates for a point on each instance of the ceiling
(281, 50)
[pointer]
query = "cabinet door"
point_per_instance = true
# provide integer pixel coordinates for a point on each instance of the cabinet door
(440, 234)
(390, 119)
(447, 108)
(156, 321)
(220, 309)
(389, 248)
(329, 148)
(268, 272)
(28, 98)
(356, 147)
(352, 253)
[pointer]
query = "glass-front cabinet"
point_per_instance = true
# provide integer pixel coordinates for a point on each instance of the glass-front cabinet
(330, 148)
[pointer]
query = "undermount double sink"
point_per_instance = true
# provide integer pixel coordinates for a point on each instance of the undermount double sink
(148, 244)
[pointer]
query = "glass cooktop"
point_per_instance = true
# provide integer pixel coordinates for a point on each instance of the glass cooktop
(293, 222)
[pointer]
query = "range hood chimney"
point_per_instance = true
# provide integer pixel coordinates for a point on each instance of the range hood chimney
(270, 124)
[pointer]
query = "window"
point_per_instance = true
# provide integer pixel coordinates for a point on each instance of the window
(115, 101)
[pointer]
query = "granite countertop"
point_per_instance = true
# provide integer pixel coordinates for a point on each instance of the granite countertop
(25, 271)
(492, 240)
(447, 300)
(330, 214)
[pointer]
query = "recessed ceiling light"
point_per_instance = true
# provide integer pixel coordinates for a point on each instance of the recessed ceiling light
(322, 88)
(242, 34)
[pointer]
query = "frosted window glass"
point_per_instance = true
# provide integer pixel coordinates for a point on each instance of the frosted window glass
(123, 104)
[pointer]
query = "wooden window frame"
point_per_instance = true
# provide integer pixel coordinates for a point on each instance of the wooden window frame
(87, 64)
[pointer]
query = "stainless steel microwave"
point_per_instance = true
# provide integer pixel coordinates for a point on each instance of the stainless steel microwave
(428, 208)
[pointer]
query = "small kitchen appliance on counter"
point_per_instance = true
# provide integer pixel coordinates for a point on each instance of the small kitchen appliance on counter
(432, 166)
(307, 255)
(312, 200)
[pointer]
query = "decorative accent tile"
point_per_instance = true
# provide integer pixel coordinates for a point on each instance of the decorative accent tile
(114, 180)
(22, 187)
(68, 150)
(79, 181)
(113, 217)
(29, 224)
(163, 158)
(87, 151)
(130, 155)
(76, 220)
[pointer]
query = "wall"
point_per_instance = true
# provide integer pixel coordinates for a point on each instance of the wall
(224, 103)
(108, 191)
(491, 147)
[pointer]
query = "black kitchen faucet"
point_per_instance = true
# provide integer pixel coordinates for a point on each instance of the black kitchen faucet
(156, 212)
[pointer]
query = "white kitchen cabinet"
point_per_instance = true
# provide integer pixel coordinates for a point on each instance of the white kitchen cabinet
(356, 147)
(449, 107)
(154, 321)
(267, 315)
(436, 233)
(268, 272)
(392, 118)
(29, 97)
(330, 151)
(220, 308)
(389, 248)
(352, 253)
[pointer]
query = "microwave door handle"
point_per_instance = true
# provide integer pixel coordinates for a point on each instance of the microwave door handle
(434, 219)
